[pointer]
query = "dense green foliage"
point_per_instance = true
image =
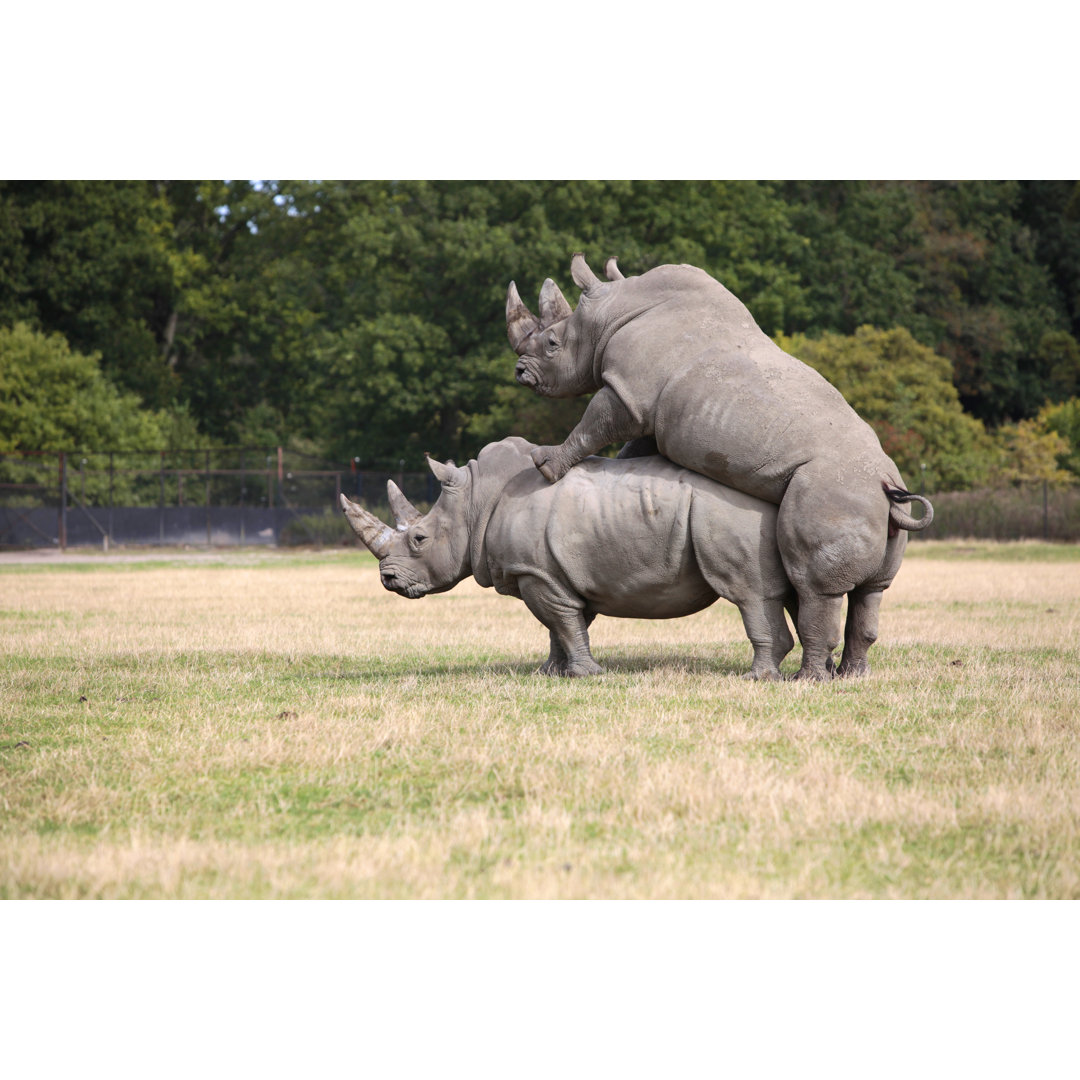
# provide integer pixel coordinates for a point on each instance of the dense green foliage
(365, 319)
(904, 391)
(53, 398)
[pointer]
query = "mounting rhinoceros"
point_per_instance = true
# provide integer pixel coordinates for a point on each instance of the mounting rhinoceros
(674, 355)
(639, 538)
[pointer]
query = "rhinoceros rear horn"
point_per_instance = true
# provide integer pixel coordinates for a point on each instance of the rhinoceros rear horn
(554, 307)
(375, 535)
(583, 277)
(404, 512)
(611, 268)
(520, 321)
(449, 475)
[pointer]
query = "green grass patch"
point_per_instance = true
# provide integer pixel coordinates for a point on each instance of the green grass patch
(183, 734)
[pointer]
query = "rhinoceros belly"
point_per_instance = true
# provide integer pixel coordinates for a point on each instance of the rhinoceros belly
(619, 532)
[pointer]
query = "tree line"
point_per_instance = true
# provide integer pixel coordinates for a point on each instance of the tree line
(364, 320)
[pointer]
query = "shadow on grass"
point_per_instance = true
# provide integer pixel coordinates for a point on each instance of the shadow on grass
(436, 667)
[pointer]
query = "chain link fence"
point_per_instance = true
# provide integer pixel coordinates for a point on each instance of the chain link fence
(245, 495)
(218, 497)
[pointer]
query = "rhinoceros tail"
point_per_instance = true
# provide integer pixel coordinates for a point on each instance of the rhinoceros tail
(898, 519)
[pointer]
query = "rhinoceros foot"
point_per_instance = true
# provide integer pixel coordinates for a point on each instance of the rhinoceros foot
(814, 674)
(545, 460)
(762, 675)
(853, 669)
(574, 670)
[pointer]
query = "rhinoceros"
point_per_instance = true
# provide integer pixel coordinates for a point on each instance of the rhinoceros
(635, 538)
(674, 356)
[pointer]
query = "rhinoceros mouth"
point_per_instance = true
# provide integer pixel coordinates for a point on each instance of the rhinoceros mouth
(413, 590)
(524, 376)
(393, 580)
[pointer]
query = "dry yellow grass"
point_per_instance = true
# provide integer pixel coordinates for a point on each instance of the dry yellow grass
(285, 728)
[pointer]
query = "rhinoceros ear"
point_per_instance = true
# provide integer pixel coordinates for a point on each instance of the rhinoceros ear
(520, 321)
(583, 277)
(405, 514)
(611, 268)
(554, 307)
(449, 475)
(375, 535)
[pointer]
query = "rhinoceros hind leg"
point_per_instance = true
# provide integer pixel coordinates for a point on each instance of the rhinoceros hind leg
(568, 627)
(560, 665)
(860, 632)
(819, 632)
(768, 632)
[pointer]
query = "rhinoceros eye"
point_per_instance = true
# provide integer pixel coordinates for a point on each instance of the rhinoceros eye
(419, 537)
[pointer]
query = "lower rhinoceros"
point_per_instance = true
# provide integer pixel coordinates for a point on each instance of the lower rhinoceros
(636, 538)
(673, 355)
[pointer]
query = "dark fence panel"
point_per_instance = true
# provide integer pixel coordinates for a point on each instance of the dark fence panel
(254, 496)
(188, 497)
(143, 525)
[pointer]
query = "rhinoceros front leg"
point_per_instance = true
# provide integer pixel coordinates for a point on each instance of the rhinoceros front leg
(568, 625)
(605, 420)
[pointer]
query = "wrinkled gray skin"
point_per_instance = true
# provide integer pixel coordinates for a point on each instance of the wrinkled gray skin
(639, 538)
(674, 357)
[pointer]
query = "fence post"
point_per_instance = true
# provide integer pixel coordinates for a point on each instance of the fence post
(61, 524)
(243, 492)
(161, 503)
(208, 534)
(112, 455)
(1046, 511)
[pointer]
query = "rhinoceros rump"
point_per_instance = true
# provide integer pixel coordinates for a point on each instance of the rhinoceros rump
(673, 355)
(638, 538)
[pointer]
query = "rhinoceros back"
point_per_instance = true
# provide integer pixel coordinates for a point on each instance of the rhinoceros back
(723, 399)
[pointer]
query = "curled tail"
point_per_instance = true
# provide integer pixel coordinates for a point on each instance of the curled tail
(900, 520)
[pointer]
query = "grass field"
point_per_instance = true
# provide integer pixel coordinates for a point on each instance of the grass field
(258, 725)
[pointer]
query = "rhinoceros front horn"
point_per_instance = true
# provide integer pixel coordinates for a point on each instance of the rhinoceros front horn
(375, 534)
(554, 307)
(404, 512)
(520, 321)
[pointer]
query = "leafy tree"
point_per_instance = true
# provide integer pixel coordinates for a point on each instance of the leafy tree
(53, 398)
(1063, 418)
(1028, 453)
(979, 271)
(367, 317)
(905, 392)
(88, 259)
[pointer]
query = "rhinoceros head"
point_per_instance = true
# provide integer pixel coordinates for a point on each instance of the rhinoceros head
(425, 553)
(553, 358)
